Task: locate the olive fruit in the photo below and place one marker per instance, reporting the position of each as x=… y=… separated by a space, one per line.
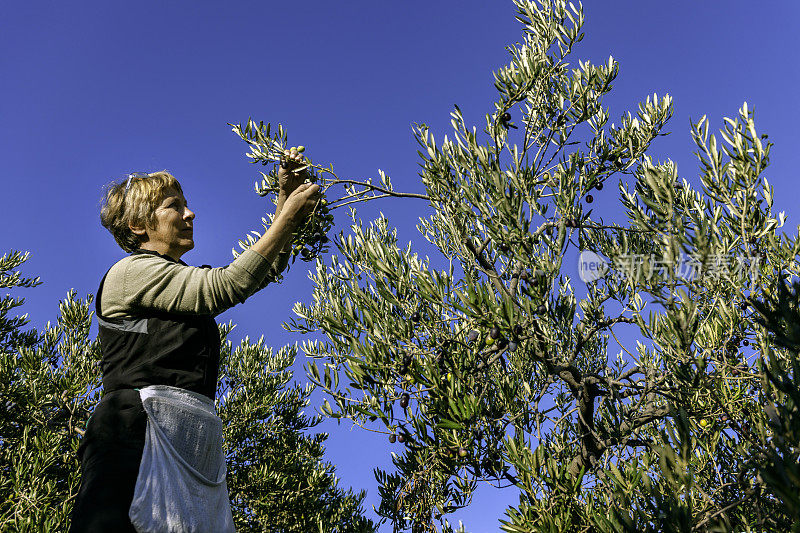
x=506 y=117
x=589 y=198
x=416 y=316
x=703 y=423
x=502 y=343
x=746 y=342
x=301 y=148
x=512 y=346
x=599 y=186
x=542 y=309
x=462 y=452
x=489 y=341
x=392 y=438
x=494 y=332
x=472 y=336
x=517 y=330
x=404 y=400
x=401 y=438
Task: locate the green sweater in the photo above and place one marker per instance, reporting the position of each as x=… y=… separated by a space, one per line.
x=144 y=282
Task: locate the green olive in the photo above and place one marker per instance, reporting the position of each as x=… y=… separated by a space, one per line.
x=301 y=148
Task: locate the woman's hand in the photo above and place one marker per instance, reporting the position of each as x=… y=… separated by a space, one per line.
x=301 y=202
x=288 y=179
x=292 y=211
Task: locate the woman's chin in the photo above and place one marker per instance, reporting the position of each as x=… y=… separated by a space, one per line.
x=187 y=244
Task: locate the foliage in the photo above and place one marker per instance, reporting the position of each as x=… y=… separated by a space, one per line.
x=50 y=383
x=46 y=394
x=277 y=478
x=656 y=400
x=310 y=240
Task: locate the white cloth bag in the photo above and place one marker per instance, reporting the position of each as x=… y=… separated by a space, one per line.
x=181 y=484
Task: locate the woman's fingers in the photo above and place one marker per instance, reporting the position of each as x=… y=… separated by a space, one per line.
x=292 y=156
x=312 y=189
x=293 y=153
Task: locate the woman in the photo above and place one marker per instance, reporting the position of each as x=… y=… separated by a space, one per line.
x=156 y=326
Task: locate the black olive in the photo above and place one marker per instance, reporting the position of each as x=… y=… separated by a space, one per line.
x=506 y=117
x=401 y=438
x=599 y=186
x=589 y=198
x=416 y=316
x=404 y=400
x=494 y=332
x=502 y=343
x=517 y=330
x=392 y=438
x=472 y=336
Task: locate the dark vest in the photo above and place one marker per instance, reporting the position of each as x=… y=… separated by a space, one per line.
x=156 y=348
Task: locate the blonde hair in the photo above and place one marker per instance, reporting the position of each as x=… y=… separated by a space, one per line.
x=137 y=208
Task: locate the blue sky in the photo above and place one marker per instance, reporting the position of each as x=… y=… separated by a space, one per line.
x=93 y=90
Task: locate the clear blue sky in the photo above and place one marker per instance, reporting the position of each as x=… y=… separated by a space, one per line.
x=93 y=90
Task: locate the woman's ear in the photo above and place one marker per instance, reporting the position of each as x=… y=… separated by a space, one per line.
x=139 y=231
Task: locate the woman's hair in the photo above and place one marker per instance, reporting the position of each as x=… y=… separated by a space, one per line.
x=137 y=207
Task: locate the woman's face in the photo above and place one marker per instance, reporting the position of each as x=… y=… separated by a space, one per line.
x=173 y=232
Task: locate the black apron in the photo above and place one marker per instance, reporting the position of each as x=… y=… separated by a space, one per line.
x=151 y=349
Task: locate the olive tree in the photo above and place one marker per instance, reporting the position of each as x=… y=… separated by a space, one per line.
x=50 y=383
x=650 y=397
